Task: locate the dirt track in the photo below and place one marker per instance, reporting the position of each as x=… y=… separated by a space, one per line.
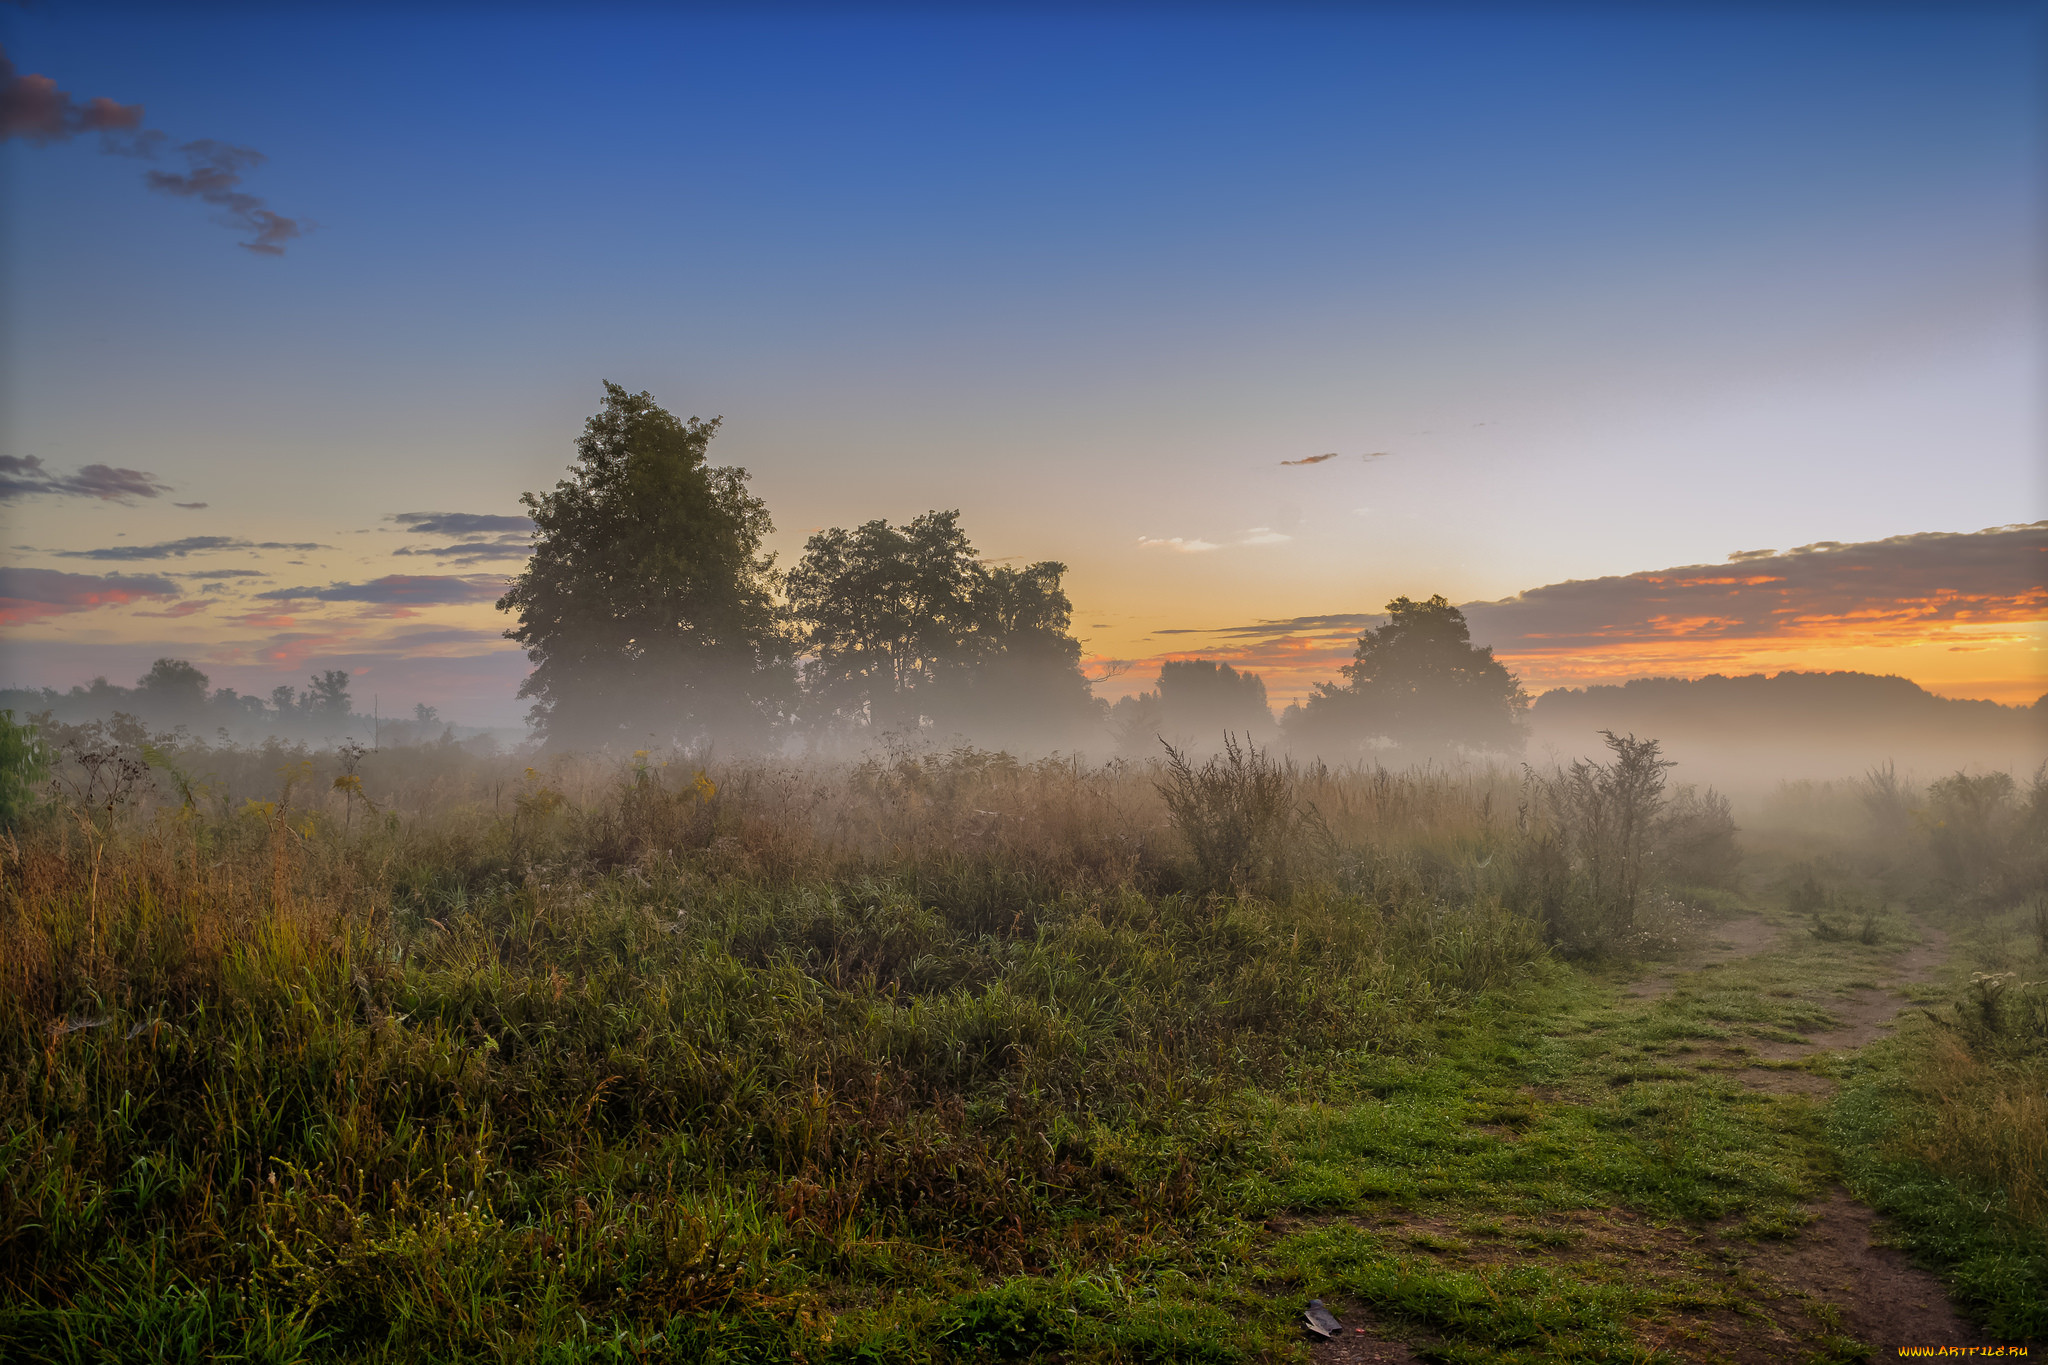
x=1832 y=1276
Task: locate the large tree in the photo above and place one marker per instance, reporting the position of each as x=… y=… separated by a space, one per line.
x=906 y=629
x=1419 y=683
x=648 y=605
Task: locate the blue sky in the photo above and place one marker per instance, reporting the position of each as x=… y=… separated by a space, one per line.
x=1612 y=289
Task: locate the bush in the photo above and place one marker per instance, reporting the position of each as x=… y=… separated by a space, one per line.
x=1695 y=840
x=1236 y=812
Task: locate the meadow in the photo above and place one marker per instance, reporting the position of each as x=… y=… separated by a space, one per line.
x=437 y=1054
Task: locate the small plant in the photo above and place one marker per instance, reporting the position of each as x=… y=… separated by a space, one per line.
x=350 y=783
x=24 y=766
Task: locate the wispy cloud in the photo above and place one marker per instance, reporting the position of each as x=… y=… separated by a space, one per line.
x=34 y=110
x=178 y=549
x=212 y=172
x=474 y=551
x=1257 y=535
x=33 y=594
x=460 y=523
x=1333 y=455
x=26 y=476
x=487 y=537
x=189 y=506
x=401 y=590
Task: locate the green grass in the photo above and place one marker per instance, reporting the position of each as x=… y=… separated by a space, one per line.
x=667 y=1080
x=1916 y=1116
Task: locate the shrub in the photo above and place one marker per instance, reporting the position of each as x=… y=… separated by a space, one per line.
x=1236 y=812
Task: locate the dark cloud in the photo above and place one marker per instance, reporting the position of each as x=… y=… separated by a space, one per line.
x=1353 y=622
x=488 y=537
x=169 y=549
x=189 y=506
x=1899 y=585
x=475 y=551
x=1895 y=587
x=178 y=549
x=213 y=170
x=25 y=476
x=460 y=523
x=402 y=590
x=33 y=109
x=222 y=573
x=31 y=594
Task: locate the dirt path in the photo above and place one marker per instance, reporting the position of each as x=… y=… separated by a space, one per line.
x=1832 y=1278
x=1737 y=938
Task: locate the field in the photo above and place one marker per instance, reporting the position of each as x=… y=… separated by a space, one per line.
x=428 y=1054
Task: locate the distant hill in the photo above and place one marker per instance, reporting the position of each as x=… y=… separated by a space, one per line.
x=1762 y=727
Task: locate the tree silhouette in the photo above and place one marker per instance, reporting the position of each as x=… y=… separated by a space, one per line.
x=1417 y=682
x=907 y=629
x=647 y=607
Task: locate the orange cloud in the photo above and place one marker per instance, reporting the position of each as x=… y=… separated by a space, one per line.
x=33 y=594
x=1962 y=613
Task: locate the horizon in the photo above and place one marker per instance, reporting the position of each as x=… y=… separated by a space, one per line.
x=1254 y=320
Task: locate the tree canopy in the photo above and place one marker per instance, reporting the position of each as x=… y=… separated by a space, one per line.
x=648 y=605
x=906 y=628
x=1193 y=705
x=1420 y=683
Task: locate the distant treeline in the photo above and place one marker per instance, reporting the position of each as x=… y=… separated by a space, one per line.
x=1812 y=723
x=1839 y=705
x=175 y=694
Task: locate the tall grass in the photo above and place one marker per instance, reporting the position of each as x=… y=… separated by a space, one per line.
x=468 y=1059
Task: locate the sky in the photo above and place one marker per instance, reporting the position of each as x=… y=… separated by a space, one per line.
x=1581 y=300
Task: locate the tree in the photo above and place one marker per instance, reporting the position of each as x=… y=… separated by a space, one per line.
x=1420 y=683
x=1024 y=686
x=1194 y=703
x=906 y=628
x=888 y=612
x=172 y=689
x=647 y=607
x=327 y=700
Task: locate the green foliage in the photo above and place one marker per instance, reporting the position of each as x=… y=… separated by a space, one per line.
x=647 y=607
x=905 y=627
x=24 y=767
x=1237 y=812
x=1419 y=682
x=1594 y=858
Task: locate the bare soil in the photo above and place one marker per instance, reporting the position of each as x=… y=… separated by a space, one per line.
x=1867 y=1015
x=1725 y=942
